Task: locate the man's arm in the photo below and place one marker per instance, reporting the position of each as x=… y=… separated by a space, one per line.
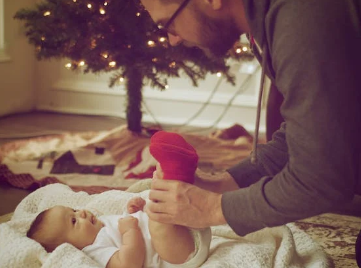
x=318 y=75
x=132 y=252
x=217 y=183
x=184 y=204
x=272 y=157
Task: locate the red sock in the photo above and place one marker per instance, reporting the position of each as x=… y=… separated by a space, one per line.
x=177 y=157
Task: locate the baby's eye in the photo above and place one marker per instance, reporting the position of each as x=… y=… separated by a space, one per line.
x=73 y=220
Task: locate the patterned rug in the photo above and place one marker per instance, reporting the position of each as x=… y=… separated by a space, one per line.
x=337 y=234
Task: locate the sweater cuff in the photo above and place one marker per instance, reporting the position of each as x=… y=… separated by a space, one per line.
x=245 y=173
x=242 y=209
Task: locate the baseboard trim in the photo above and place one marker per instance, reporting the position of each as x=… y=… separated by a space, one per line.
x=168 y=120
x=181 y=94
x=4 y=57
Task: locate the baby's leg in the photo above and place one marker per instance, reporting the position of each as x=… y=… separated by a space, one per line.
x=173 y=243
x=178 y=161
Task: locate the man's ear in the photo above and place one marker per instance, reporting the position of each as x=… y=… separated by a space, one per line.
x=215 y=4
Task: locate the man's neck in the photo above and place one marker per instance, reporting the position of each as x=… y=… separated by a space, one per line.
x=239 y=15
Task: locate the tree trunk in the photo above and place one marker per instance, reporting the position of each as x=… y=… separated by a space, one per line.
x=134 y=100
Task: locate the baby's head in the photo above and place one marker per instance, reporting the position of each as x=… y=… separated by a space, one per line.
x=59 y=225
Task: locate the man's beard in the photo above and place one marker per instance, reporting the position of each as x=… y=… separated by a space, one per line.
x=217 y=36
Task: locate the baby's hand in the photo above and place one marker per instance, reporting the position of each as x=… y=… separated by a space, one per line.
x=135 y=204
x=127 y=223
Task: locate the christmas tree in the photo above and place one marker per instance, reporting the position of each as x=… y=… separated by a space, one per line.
x=115 y=36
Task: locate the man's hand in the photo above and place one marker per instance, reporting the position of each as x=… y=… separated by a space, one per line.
x=218 y=183
x=135 y=204
x=176 y=202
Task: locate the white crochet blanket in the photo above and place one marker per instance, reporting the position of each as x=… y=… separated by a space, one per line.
x=284 y=246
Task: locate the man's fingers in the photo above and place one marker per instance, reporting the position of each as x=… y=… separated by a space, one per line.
x=155 y=213
x=165 y=185
x=161 y=217
x=158 y=207
x=160 y=195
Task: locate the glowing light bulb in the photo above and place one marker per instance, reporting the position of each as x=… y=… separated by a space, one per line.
x=138 y=14
x=166 y=86
x=74 y=1
x=102 y=11
x=244 y=48
x=43 y=38
x=121 y=79
x=82 y=63
x=47 y=13
x=151 y=43
x=68 y=65
x=162 y=39
x=112 y=64
x=105 y=55
x=89 y=6
x=105 y=3
x=238 y=50
x=219 y=74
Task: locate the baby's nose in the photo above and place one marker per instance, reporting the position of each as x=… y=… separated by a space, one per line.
x=82 y=214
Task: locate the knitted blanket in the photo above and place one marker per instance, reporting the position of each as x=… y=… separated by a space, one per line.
x=284 y=246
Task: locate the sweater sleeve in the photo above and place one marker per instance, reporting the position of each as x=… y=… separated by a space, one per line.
x=315 y=48
x=271 y=158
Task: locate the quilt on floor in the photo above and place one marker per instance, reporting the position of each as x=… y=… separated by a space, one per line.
x=99 y=161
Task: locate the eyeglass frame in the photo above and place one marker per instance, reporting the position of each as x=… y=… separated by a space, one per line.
x=164 y=28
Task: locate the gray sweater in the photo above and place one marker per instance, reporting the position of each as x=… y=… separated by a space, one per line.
x=313 y=162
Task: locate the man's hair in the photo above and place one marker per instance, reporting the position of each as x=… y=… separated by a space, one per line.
x=38 y=232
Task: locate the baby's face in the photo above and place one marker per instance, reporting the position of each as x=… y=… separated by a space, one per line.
x=77 y=227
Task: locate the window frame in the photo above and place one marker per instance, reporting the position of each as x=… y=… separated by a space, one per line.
x=4 y=57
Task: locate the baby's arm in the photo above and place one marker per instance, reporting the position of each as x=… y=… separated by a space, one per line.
x=132 y=252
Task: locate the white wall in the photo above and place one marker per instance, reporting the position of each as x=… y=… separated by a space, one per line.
x=26 y=84
x=17 y=62
x=66 y=91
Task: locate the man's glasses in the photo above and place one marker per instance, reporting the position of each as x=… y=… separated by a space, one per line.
x=163 y=29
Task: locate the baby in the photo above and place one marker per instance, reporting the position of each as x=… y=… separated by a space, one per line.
x=120 y=241
x=131 y=240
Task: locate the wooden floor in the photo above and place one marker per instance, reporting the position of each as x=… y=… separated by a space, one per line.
x=34 y=124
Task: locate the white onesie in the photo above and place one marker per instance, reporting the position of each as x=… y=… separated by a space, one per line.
x=109 y=240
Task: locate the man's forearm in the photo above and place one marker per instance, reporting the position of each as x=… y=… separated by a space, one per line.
x=219 y=183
